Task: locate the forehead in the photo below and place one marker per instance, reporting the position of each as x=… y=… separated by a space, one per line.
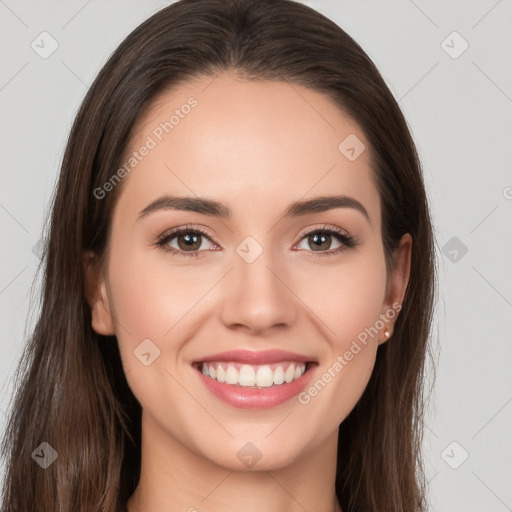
x=249 y=144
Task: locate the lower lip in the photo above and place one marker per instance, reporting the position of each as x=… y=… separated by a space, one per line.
x=256 y=398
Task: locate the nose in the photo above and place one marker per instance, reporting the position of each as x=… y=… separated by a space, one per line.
x=257 y=296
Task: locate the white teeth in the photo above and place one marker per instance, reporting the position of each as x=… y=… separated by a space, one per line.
x=246 y=376
x=279 y=375
x=264 y=377
x=288 y=374
x=231 y=375
x=221 y=374
x=249 y=376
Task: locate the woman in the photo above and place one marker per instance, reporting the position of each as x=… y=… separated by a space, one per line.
x=239 y=280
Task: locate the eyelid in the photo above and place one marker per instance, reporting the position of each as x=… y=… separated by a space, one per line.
x=347 y=240
x=206 y=232
x=323 y=227
x=189 y=227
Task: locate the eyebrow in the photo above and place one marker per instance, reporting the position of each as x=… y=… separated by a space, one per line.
x=217 y=209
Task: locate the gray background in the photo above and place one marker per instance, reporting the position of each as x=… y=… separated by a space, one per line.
x=459 y=108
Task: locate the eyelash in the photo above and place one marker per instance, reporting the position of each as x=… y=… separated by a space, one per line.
x=348 y=242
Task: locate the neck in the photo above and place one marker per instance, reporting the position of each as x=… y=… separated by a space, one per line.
x=175 y=478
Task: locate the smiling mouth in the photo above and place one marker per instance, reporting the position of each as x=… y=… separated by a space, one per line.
x=253 y=376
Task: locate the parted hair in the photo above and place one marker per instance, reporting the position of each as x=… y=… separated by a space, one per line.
x=70 y=388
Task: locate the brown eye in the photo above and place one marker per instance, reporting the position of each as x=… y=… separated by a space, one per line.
x=188 y=241
x=185 y=241
x=321 y=241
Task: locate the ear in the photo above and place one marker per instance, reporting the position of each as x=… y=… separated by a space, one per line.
x=397 y=285
x=96 y=294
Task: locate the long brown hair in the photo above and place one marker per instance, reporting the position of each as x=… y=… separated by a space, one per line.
x=71 y=391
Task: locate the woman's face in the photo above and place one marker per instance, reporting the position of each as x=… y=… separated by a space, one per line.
x=262 y=282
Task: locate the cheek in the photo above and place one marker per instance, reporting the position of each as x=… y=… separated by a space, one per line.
x=151 y=295
x=347 y=298
x=152 y=292
x=157 y=298
x=346 y=302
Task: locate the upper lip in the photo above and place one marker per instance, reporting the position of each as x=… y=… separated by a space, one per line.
x=256 y=357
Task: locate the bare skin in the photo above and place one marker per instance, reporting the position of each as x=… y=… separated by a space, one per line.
x=257 y=147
